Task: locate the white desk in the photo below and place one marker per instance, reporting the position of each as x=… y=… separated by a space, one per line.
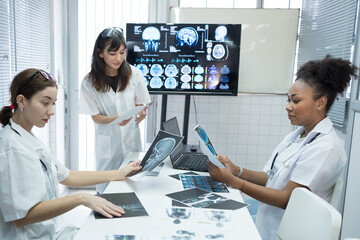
x=151 y=191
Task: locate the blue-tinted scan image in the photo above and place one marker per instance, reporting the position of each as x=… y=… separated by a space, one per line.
x=170 y=83
x=220 y=33
x=151 y=38
x=156 y=70
x=156 y=82
x=171 y=70
x=143 y=68
x=187 y=36
x=186 y=58
x=203 y=182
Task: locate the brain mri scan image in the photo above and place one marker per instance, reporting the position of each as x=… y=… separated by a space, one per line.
x=143 y=68
x=171 y=70
x=186 y=69
x=220 y=33
x=198 y=78
x=185 y=78
x=185 y=85
x=224 y=79
x=159 y=152
x=170 y=83
x=156 y=70
x=199 y=70
x=151 y=38
x=187 y=36
x=218 y=51
x=224 y=70
x=156 y=82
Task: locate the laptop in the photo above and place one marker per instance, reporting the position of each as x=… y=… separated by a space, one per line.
x=180 y=159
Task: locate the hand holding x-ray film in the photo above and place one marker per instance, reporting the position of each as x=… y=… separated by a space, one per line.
x=206 y=146
x=131 y=113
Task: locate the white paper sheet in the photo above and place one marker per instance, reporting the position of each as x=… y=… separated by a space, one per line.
x=128 y=115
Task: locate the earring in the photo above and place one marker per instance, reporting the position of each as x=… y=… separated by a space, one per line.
x=318 y=108
x=21 y=109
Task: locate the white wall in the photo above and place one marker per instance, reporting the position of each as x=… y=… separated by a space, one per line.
x=246 y=127
x=351 y=212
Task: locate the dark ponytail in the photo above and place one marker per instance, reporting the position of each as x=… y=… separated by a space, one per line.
x=328 y=77
x=5 y=115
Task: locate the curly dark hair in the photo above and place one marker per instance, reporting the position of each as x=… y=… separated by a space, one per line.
x=328 y=77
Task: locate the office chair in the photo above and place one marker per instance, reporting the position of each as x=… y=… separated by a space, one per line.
x=309 y=217
x=335 y=199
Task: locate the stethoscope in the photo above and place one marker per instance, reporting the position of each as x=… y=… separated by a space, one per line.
x=270 y=173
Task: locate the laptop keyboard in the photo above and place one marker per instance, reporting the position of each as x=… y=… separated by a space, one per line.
x=196 y=162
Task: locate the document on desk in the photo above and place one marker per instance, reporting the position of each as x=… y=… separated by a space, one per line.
x=163 y=144
x=199 y=223
x=198 y=198
x=203 y=182
x=188 y=223
x=128 y=201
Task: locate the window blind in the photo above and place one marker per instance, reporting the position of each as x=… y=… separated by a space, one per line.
x=31 y=28
x=4 y=54
x=24 y=40
x=327 y=27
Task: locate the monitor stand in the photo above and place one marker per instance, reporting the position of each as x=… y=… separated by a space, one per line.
x=188 y=147
x=192 y=148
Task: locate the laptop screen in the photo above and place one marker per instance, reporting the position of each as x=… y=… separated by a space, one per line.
x=172 y=126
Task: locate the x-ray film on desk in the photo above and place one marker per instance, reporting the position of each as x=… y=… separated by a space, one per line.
x=163 y=144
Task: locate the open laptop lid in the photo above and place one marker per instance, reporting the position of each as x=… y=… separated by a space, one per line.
x=172 y=126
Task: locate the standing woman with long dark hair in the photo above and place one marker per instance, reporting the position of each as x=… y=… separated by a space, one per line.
x=110 y=89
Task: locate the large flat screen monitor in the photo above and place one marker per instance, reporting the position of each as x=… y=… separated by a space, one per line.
x=186 y=58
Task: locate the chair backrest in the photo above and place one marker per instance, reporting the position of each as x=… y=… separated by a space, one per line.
x=335 y=199
x=308 y=216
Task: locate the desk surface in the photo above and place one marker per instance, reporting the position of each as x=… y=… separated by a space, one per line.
x=151 y=191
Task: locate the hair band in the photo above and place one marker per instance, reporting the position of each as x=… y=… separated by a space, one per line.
x=12 y=107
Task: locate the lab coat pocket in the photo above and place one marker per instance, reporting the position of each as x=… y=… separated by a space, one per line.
x=103 y=147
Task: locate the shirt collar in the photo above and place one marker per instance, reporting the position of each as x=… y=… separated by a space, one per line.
x=324 y=126
x=27 y=137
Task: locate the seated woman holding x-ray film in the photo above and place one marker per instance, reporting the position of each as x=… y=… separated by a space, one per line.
x=311 y=157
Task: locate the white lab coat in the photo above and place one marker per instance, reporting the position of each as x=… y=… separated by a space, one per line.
x=25 y=181
x=316 y=165
x=113 y=142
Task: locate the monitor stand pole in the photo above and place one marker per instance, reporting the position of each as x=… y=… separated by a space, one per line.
x=163 y=108
x=186 y=118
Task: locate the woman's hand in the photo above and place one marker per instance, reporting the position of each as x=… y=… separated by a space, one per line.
x=220 y=174
x=123 y=123
x=129 y=169
x=101 y=205
x=228 y=164
x=141 y=115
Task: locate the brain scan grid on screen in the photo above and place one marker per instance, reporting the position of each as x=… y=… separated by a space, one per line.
x=186 y=58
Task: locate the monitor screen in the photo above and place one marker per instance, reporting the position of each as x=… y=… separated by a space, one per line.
x=186 y=58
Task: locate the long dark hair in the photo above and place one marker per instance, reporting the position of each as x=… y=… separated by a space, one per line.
x=328 y=77
x=99 y=79
x=17 y=87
